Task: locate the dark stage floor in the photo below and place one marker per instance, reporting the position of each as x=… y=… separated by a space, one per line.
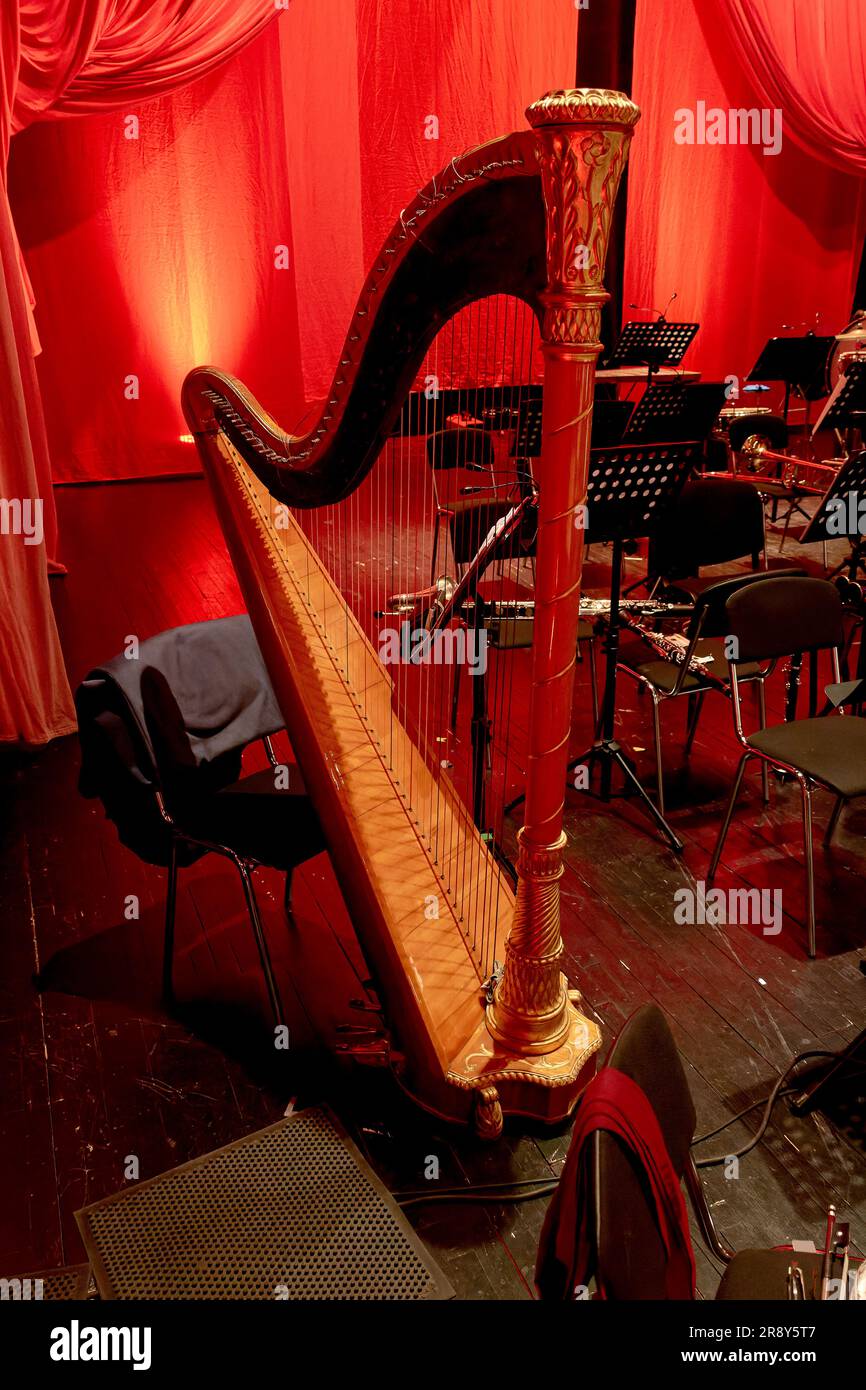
x=94 y=1072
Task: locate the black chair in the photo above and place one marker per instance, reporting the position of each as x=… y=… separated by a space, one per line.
x=784 y=617
x=162 y=742
x=667 y=679
x=713 y=522
x=769 y=427
x=470 y=518
x=630 y=1255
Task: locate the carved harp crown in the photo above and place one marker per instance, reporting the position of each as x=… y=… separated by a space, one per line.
x=528 y=217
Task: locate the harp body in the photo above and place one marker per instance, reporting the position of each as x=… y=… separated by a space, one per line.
x=527 y=216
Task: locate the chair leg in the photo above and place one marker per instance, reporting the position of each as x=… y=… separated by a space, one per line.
x=258 y=932
x=660 y=775
x=701 y=1208
x=695 y=717
x=725 y=826
x=170 y=912
x=834 y=820
x=592 y=686
x=765 y=769
x=806 y=789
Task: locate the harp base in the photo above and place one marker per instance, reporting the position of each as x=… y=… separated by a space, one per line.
x=544 y=1088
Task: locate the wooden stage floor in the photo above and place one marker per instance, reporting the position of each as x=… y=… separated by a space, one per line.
x=93 y=1072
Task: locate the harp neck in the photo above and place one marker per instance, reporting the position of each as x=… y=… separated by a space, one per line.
x=455 y=242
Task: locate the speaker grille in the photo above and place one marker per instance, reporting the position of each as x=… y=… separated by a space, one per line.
x=292 y=1211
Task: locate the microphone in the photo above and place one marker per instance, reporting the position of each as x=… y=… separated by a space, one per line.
x=663 y=314
x=645 y=308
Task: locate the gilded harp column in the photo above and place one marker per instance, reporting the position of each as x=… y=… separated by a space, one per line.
x=583 y=139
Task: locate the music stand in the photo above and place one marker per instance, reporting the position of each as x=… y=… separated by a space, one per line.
x=527 y=436
x=797 y=362
x=630 y=489
x=670 y=411
x=835 y=505
x=652 y=345
x=847 y=400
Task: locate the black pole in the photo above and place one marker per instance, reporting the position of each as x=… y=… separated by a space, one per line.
x=860 y=287
x=605 y=58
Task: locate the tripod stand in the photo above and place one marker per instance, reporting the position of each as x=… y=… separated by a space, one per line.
x=629 y=490
x=605 y=750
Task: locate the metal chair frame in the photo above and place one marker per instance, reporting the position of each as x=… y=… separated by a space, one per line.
x=696 y=695
x=806 y=783
x=245 y=866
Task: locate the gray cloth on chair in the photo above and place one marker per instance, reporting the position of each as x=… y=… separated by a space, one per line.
x=216 y=673
x=219 y=680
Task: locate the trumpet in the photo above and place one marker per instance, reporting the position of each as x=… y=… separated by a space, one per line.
x=803 y=474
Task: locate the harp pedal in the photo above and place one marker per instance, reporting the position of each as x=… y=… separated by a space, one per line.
x=365 y=1043
x=367 y=1006
x=488 y=989
x=372 y=1052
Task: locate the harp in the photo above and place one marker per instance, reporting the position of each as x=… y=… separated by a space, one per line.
x=319 y=524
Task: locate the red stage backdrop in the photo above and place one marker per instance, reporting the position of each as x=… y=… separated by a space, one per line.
x=234 y=222
x=749 y=241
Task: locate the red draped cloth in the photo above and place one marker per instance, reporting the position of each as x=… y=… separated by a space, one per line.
x=566 y=1254
x=69 y=59
x=750 y=241
x=808 y=57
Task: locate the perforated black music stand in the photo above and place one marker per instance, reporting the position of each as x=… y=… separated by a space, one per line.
x=840 y=507
x=846 y=405
x=527 y=436
x=652 y=345
x=670 y=411
x=630 y=489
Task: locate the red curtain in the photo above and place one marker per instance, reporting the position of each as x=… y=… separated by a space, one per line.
x=750 y=241
x=809 y=58
x=67 y=59
x=234 y=220
x=240 y=225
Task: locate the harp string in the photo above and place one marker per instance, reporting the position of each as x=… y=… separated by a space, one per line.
x=379 y=541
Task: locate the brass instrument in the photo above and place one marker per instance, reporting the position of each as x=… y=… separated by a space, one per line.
x=806 y=475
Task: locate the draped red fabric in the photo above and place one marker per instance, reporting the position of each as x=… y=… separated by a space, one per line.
x=809 y=58
x=749 y=241
x=566 y=1251
x=239 y=225
x=68 y=59
x=234 y=219
x=89 y=56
